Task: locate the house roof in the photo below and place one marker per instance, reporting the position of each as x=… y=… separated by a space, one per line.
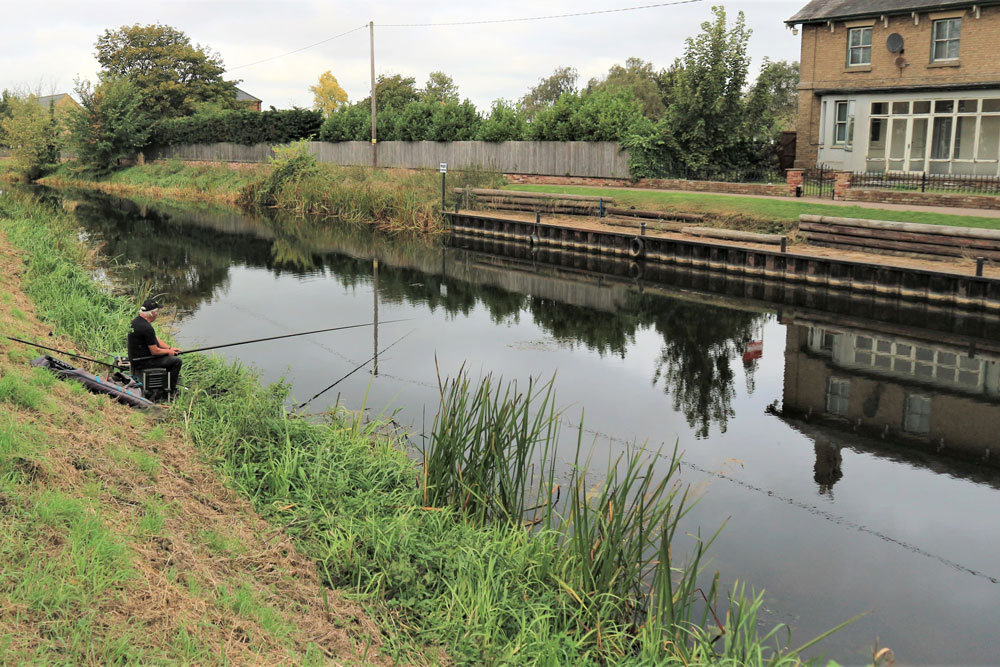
x=826 y=10
x=242 y=96
x=52 y=100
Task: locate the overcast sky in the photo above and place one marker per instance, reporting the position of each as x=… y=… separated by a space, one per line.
x=45 y=45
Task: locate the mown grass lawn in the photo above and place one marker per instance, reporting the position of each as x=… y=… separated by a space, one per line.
x=765 y=209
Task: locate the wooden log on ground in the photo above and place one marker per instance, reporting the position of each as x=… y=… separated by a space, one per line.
x=913 y=237
x=915 y=227
x=733 y=235
x=654 y=215
x=874 y=245
x=549 y=209
x=543 y=203
x=539 y=195
x=656 y=226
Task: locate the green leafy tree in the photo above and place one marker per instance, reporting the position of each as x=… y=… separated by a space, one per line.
x=454 y=121
x=549 y=91
x=557 y=122
x=33 y=135
x=175 y=76
x=5 y=112
x=505 y=123
x=607 y=115
x=351 y=123
x=392 y=92
x=328 y=96
x=439 y=88
x=639 y=77
x=706 y=116
x=110 y=124
x=774 y=98
x=415 y=121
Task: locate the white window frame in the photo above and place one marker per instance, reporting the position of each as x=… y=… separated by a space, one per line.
x=973 y=164
x=945 y=23
x=847 y=123
x=917 y=414
x=838 y=396
x=860 y=48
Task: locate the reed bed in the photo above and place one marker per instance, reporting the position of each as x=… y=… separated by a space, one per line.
x=400 y=199
x=480 y=553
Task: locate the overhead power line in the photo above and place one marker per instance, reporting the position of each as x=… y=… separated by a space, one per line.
x=540 y=18
x=324 y=41
x=484 y=22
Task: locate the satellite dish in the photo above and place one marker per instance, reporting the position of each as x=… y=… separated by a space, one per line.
x=894 y=43
x=901 y=62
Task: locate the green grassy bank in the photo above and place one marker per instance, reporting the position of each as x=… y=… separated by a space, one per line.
x=293 y=181
x=440 y=554
x=753 y=212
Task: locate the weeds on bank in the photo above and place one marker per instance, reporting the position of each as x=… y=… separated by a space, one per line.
x=396 y=198
x=483 y=549
x=83 y=534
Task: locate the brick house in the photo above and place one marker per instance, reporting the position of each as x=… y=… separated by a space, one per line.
x=247 y=101
x=900 y=85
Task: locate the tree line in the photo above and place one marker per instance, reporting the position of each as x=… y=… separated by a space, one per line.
x=157 y=88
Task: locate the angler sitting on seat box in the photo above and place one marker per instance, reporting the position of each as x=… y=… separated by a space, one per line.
x=142 y=342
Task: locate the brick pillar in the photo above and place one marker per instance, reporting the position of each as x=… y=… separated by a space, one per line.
x=841 y=183
x=793 y=178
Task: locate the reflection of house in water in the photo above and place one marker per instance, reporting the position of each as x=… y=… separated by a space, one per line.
x=909 y=386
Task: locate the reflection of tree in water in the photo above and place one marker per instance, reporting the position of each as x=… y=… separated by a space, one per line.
x=571 y=324
x=186 y=262
x=701 y=342
x=187 y=254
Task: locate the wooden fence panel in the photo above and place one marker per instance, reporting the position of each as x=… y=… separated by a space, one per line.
x=550 y=158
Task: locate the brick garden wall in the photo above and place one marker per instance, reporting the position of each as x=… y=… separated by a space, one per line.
x=921 y=198
x=777 y=189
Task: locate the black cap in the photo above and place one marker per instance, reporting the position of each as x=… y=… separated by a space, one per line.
x=150 y=304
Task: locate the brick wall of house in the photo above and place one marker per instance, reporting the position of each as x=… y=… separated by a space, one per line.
x=824 y=62
x=777 y=189
x=921 y=198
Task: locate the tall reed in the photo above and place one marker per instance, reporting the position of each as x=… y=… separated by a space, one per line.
x=491 y=456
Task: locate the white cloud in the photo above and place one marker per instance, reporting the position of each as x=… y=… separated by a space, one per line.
x=53 y=42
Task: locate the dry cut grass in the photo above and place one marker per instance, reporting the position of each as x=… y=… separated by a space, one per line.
x=118 y=542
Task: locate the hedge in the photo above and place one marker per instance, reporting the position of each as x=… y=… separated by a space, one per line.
x=238 y=127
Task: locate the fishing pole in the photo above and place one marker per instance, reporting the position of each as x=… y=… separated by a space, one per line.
x=370 y=359
x=68 y=354
x=258 y=340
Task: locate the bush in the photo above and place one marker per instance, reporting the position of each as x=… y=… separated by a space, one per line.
x=239 y=127
x=505 y=123
x=33 y=135
x=352 y=123
x=110 y=123
x=291 y=163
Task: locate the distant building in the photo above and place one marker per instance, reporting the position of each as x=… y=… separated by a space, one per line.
x=900 y=85
x=59 y=102
x=247 y=101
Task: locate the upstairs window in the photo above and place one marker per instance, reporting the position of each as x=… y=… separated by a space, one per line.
x=944 y=42
x=859 y=46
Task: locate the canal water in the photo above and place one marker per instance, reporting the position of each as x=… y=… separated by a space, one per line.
x=851 y=449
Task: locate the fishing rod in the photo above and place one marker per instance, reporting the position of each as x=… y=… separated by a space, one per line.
x=258 y=340
x=370 y=359
x=68 y=354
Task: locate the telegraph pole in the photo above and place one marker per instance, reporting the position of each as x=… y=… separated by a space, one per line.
x=371 y=41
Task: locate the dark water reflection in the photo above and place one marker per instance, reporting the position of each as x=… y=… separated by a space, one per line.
x=850 y=444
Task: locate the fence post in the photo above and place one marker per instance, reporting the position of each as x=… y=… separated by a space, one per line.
x=979 y=266
x=923 y=181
